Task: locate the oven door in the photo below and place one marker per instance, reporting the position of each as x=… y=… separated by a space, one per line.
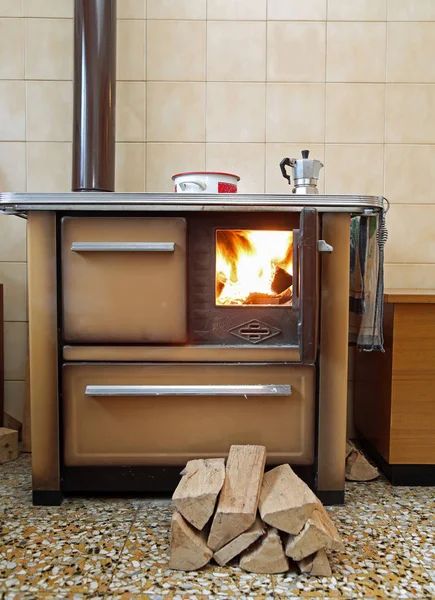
x=124 y=280
x=264 y=291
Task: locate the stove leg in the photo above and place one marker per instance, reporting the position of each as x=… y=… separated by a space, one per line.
x=47 y=498
x=334 y=326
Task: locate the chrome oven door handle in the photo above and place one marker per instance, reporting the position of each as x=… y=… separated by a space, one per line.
x=123 y=247
x=188 y=390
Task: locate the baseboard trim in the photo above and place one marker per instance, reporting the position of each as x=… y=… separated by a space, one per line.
x=401 y=475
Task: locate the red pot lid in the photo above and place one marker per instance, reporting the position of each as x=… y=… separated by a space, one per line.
x=205 y=173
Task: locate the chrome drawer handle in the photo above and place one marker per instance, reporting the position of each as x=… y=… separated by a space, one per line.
x=123 y=246
x=188 y=390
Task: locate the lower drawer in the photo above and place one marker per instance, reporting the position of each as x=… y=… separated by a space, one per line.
x=166 y=414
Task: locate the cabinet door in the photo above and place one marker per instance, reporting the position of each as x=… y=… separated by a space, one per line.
x=165 y=414
x=124 y=280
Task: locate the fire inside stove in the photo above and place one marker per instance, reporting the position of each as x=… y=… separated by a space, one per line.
x=253 y=267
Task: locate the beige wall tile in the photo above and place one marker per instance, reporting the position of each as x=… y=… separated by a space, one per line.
x=11 y=8
x=275 y=182
x=249 y=10
x=50 y=8
x=357 y=10
x=411 y=10
x=245 y=160
x=410 y=52
x=49 y=111
x=15 y=345
x=176 y=9
x=236 y=51
x=12 y=110
x=356 y=52
x=14 y=279
x=410 y=114
x=354 y=169
x=130 y=47
x=49 y=166
x=11 y=49
x=131 y=9
x=14 y=399
x=130 y=167
x=12 y=239
x=355 y=113
x=165 y=160
x=130 y=111
x=411 y=236
x=12 y=167
x=407 y=172
x=419 y=277
x=49 y=48
x=175 y=112
x=176 y=50
x=235 y=112
x=295 y=112
x=286 y=10
x=296 y=51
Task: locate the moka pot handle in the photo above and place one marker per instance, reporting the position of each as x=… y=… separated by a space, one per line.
x=286 y=162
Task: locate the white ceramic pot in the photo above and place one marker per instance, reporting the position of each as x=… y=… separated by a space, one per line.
x=205 y=183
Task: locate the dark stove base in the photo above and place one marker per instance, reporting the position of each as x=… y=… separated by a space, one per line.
x=397 y=475
x=143 y=481
x=47 y=498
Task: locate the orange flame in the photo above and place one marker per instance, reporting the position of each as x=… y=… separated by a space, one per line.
x=253 y=267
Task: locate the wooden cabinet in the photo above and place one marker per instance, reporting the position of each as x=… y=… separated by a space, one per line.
x=394 y=395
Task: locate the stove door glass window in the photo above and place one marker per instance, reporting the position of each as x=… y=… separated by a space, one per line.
x=254 y=267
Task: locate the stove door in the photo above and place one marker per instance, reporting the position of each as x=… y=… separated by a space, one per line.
x=265 y=288
x=307 y=283
x=124 y=280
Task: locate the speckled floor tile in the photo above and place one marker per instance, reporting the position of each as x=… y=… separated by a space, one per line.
x=118 y=549
x=46 y=555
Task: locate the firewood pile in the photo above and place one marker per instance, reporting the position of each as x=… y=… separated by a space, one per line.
x=266 y=520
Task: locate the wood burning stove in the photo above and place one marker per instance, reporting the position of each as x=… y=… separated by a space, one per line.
x=137 y=363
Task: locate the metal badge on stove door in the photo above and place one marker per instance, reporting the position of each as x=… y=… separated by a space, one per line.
x=255 y=331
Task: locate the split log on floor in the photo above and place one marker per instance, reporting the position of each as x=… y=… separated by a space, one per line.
x=317 y=564
x=237 y=506
x=189 y=550
x=265 y=556
x=8 y=445
x=318 y=533
x=358 y=467
x=240 y=543
x=286 y=502
x=196 y=494
x=349 y=448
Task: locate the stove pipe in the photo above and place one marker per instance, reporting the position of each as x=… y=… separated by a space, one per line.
x=94 y=95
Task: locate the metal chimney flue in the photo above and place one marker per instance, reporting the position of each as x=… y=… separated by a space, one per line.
x=94 y=95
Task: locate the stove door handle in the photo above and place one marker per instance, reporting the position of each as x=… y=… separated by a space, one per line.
x=188 y=390
x=123 y=247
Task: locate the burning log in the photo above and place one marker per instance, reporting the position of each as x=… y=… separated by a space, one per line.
x=284 y=501
x=281 y=281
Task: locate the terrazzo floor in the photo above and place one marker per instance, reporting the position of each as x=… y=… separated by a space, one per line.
x=118 y=549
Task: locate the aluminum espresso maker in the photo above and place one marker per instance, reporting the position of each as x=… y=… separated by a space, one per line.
x=305 y=173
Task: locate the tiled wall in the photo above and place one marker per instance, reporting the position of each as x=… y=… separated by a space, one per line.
x=230 y=85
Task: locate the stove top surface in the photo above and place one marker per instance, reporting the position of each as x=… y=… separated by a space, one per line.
x=16 y=203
